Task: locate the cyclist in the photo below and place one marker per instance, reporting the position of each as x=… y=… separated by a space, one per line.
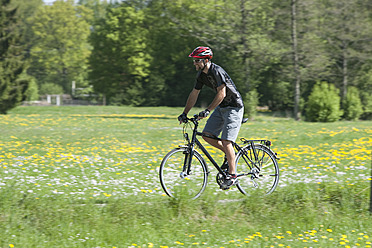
x=227 y=105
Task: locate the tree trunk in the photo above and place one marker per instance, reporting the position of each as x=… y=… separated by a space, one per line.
x=344 y=74
x=297 y=112
x=244 y=27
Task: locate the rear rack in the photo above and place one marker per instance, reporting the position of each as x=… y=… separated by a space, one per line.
x=263 y=142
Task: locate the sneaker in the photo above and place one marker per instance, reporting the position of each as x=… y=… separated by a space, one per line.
x=230 y=180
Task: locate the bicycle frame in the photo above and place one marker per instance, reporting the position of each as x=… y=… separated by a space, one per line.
x=256 y=165
x=194 y=140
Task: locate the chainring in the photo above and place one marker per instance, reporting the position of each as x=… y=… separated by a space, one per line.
x=220 y=178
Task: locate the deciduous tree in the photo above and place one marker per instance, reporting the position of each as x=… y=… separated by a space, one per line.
x=60 y=48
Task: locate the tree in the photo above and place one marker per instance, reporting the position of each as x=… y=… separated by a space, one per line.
x=97 y=6
x=295 y=60
x=172 y=72
x=12 y=90
x=121 y=57
x=239 y=34
x=60 y=48
x=346 y=28
x=251 y=40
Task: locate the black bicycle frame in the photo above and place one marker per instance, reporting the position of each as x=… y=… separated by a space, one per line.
x=194 y=140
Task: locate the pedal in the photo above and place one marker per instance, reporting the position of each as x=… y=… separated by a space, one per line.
x=183 y=174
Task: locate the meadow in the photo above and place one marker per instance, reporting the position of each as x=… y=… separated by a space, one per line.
x=88 y=177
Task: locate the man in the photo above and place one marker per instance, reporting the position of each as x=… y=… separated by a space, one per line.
x=227 y=105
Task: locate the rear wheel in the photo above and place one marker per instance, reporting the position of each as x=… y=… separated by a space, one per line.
x=181 y=184
x=257 y=170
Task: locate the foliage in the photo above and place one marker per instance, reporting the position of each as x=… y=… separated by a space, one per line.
x=323 y=104
x=364 y=82
x=120 y=59
x=346 y=32
x=11 y=64
x=251 y=100
x=60 y=47
x=25 y=11
x=50 y=89
x=352 y=106
x=138 y=49
x=32 y=92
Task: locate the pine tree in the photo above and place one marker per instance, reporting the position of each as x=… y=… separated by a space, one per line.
x=11 y=65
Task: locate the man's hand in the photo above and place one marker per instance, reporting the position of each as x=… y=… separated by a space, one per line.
x=182 y=118
x=204 y=113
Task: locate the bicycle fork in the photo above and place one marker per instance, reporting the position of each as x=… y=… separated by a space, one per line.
x=189 y=153
x=186 y=169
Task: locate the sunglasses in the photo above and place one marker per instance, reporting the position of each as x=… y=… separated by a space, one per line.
x=198 y=60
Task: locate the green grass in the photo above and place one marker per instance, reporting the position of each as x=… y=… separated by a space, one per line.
x=87 y=177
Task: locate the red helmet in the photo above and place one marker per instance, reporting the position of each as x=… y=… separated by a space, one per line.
x=202 y=53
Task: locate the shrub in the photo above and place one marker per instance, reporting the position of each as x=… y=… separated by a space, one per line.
x=323 y=104
x=32 y=92
x=363 y=82
x=352 y=105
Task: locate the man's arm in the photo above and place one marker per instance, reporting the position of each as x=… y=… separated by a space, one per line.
x=220 y=95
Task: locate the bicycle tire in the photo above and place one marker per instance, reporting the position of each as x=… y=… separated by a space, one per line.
x=263 y=179
x=191 y=186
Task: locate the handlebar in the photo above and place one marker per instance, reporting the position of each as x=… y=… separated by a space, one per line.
x=195 y=119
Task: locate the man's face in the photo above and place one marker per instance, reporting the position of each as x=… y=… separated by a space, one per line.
x=199 y=64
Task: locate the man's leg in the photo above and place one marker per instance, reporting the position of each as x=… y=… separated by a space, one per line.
x=230 y=155
x=227 y=147
x=215 y=143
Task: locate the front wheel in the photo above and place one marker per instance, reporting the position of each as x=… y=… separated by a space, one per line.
x=179 y=182
x=257 y=169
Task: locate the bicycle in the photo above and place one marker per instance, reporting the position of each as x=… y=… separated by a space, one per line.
x=184 y=173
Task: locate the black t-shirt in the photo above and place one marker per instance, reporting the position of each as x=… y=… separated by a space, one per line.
x=216 y=77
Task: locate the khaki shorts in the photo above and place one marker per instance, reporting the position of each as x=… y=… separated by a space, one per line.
x=228 y=120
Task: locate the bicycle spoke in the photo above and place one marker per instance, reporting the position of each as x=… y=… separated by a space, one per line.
x=178 y=183
x=260 y=172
